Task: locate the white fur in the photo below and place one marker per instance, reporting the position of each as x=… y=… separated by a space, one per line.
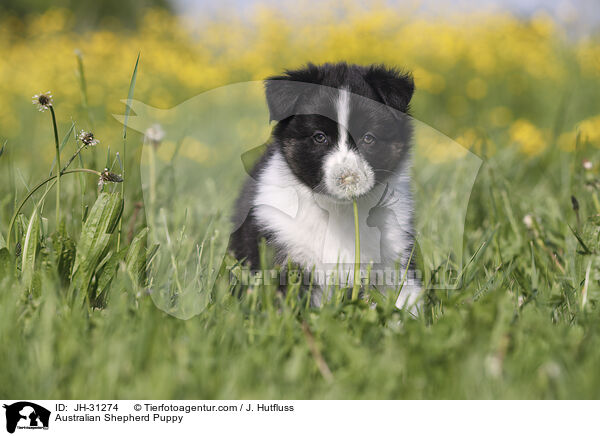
x=343 y=117
x=317 y=230
x=347 y=174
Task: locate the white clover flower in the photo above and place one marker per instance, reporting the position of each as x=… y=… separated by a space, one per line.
x=43 y=101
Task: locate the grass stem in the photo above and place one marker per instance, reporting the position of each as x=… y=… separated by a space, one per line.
x=34 y=190
x=127 y=109
x=151 y=215
x=58 y=171
x=356 y=281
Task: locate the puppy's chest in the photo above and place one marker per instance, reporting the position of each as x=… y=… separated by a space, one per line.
x=316 y=233
x=334 y=241
x=310 y=229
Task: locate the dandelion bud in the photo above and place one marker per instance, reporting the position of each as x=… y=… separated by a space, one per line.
x=111 y=177
x=574 y=203
x=106 y=177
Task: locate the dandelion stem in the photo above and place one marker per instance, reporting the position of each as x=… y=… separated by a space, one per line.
x=35 y=189
x=356 y=281
x=58 y=171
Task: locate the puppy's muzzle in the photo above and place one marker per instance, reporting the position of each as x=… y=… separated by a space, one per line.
x=347 y=175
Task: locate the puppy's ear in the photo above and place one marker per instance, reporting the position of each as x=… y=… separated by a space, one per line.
x=282 y=95
x=395 y=88
x=284 y=91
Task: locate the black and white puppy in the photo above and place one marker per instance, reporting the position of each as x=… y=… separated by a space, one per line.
x=342 y=133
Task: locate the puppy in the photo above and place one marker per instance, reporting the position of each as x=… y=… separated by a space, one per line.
x=343 y=133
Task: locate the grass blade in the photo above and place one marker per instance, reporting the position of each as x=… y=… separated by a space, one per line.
x=136 y=257
x=127 y=110
x=94 y=241
x=585 y=247
x=105 y=274
x=83 y=87
x=64 y=251
x=130 y=96
x=30 y=246
x=5 y=263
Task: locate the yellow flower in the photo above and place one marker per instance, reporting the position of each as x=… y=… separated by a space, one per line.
x=590 y=130
x=456 y=64
x=529 y=138
x=476 y=88
x=430 y=82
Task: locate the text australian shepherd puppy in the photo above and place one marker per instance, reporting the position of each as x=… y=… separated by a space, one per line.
x=342 y=133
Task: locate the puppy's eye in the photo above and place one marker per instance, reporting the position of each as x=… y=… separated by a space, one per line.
x=320 y=138
x=368 y=138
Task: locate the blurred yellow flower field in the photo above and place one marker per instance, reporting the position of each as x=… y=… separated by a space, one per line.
x=476 y=75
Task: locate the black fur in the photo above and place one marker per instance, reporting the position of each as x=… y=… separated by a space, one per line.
x=244 y=241
x=301 y=110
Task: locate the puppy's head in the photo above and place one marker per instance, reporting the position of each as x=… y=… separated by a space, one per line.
x=341 y=128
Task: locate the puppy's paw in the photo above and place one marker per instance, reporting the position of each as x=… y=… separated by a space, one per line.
x=410 y=299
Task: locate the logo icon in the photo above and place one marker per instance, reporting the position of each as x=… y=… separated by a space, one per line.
x=26 y=415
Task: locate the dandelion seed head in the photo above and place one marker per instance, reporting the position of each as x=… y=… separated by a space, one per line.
x=586 y=164
x=528 y=221
x=154 y=134
x=43 y=101
x=347 y=175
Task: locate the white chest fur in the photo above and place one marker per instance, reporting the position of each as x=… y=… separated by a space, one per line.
x=315 y=230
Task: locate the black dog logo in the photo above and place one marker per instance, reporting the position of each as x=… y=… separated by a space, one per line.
x=28 y=415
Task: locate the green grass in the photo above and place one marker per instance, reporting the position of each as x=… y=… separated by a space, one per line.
x=78 y=318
